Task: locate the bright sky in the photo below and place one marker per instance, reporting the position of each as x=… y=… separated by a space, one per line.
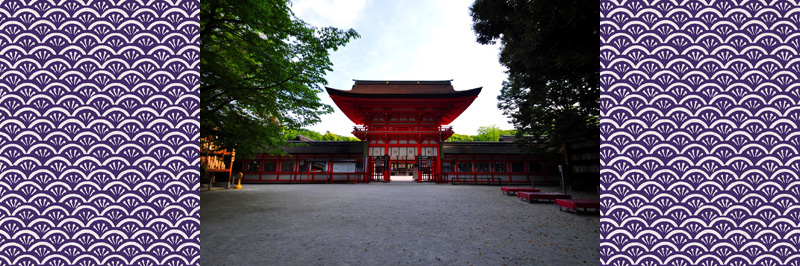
x=409 y=40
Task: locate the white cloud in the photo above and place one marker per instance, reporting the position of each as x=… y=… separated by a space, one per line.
x=323 y=13
x=454 y=53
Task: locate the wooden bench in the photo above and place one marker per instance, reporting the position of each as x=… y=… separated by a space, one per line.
x=474 y=179
x=576 y=204
x=536 y=196
x=513 y=190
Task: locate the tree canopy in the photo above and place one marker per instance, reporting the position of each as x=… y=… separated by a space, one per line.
x=551 y=50
x=485 y=133
x=261 y=69
x=492 y=133
x=459 y=137
x=328 y=136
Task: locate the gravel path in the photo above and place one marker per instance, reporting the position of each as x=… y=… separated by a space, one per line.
x=399 y=223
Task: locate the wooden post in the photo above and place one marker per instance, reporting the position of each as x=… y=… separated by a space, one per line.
x=563 y=186
x=387 y=168
x=439 y=159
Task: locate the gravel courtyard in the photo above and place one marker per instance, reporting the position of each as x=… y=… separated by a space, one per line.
x=397 y=223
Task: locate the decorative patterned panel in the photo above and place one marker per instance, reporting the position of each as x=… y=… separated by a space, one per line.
x=700 y=114
x=99 y=133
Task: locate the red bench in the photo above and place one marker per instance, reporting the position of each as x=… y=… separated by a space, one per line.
x=536 y=196
x=513 y=190
x=576 y=204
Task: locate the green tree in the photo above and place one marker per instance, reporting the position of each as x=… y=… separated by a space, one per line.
x=492 y=133
x=261 y=69
x=459 y=137
x=290 y=134
x=551 y=50
x=328 y=136
x=485 y=133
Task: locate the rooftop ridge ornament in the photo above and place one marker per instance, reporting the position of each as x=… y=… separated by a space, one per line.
x=402 y=82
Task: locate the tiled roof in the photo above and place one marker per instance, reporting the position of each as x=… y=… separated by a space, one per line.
x=402 y=87
x=356 y=147
x=509 y=148
x=405 y=88
x=325 y=147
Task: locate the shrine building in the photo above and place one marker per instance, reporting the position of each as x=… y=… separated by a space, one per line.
x=402 y=127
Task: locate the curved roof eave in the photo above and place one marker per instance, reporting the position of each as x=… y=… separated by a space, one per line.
x=471 y=92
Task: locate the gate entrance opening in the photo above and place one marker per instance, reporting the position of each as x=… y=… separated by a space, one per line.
x=382 y=168
x=403 y=168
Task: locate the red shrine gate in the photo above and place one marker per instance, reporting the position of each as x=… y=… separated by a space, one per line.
x=403 y=123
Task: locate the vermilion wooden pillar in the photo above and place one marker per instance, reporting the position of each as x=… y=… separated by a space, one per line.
x=419 y=153
x=437 y=166
x=387 y=164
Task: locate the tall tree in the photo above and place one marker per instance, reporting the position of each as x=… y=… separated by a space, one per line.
x=551 y=50
x=261 y=69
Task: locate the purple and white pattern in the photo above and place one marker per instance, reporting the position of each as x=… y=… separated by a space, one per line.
x=700 y=114
x=99 y=133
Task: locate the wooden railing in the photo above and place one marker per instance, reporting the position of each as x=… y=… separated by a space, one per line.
x=402 y=129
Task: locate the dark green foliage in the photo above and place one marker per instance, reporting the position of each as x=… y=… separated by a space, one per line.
x=261 y=69
x=551 y=49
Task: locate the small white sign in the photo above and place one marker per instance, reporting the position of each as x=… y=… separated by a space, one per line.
x=344 y=167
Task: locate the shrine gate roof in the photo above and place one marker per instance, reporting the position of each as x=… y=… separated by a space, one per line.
x=403 y=89
x=369 y=95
